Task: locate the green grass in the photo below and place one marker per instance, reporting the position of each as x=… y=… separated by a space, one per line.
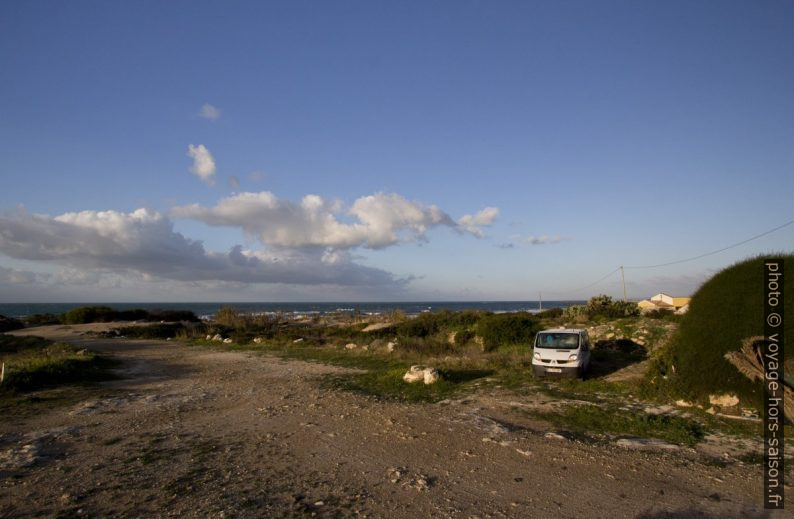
x=33 y=363
x=590 y=419
x=389 y=384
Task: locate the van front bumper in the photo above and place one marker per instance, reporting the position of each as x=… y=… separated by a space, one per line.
x=556 y=371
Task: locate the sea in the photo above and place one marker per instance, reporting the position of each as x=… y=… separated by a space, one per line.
x=208 y=309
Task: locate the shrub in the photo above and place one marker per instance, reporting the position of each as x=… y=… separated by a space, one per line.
x=551 y=313
x=603 y=305
x=510 y=328
x=431 y=323
x=727 y=309
x=7 y=324
x=43 y=319
x=464 y=337
x=89 y=314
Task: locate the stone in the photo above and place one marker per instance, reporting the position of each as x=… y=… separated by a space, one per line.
x=299 y=339
x=258 y=340
x=414 y=374
x=209 y=337
x=431 y=376
x=725 y=400
x=683 y=403
x=227 y=341
x=390 y=346
x=217 y=337
x=645 y=444
x=351 y=346
x=554 y=436
x=428 y=375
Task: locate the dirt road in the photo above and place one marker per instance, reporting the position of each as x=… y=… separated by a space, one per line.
x=200 y=433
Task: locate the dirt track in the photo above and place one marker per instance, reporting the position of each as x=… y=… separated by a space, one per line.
x=201 y=433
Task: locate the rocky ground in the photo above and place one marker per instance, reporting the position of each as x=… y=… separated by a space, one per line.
x=196 y=432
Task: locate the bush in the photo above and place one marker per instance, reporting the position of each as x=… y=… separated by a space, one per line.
x=431 y=323
x=8 y=323
x=503 y=329
x=43 y=319
x=603 y=305
x=105 y=314
x=727 y=309
x=551 y=313
x=464 y=337
x=89 y=314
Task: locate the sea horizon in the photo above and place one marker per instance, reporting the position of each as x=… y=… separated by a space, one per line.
x=204 y=309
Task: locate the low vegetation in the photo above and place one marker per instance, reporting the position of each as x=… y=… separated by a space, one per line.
x=105 y=314
x=726 y=310
x=32 y=363
x=591 y=419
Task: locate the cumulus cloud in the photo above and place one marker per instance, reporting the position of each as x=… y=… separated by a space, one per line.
x=475 y=222
x=209 y=112
x=379 y=220
x=203 y=163
x=144 y=242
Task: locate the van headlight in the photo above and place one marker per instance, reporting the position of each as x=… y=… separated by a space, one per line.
x=537 y=355
x=572 y=357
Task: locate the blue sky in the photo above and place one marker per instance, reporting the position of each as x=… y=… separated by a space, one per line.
x=456 y=150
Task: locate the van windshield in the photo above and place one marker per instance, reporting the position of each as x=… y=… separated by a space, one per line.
x=557 y=341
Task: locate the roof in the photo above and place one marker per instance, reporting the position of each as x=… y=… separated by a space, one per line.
x=564 y=330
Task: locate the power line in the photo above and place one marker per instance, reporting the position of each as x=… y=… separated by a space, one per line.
x=712 y=252
x=674 y=262
x=586 y=286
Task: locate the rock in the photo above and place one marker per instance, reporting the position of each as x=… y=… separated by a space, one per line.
x=451 y=337
x=257 y=340
x=414 y=374
x=85 y=352
x=554 y=436
x=726 y=400
x=209 y=337
x=645 y=444
x=299 y=339
x=390 y=346
x=431 y=376
x=351 y=346
x=217 y=337
x=711 y=410
x=426 y=374
x=640 y=342
x=227 y=341
x=610 y=335
x=683 y=403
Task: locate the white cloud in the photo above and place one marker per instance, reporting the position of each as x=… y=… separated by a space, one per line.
x=203 y=163
x=474 y=223
x=543 y=240
x=209 y=112
x=379 y=220
x=144 y=242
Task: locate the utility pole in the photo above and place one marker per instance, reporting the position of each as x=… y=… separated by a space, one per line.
x=623 y=278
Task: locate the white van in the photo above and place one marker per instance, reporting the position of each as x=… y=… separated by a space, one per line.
x=561 y=351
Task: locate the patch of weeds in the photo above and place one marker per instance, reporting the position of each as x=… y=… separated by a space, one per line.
x=752 y=458
x=389 y=384
x=589 y=418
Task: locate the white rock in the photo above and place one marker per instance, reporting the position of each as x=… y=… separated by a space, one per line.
x=209 y=337
x=645 y=444
x=351 y=346
x=726 y=400
x=217 y=337
x=299 y=339
x=390 y=346
x=414 y=374
x=227 y=341
x=554 y=436
x=257 y=340
x=683 y=403
x=431 y=375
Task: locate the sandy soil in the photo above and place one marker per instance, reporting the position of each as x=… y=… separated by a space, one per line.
x=200 y=433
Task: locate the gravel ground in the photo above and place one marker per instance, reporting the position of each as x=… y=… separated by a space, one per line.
x=193 y=432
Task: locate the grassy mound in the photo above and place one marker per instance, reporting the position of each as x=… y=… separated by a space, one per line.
x=34 y=363
x=727 y=309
